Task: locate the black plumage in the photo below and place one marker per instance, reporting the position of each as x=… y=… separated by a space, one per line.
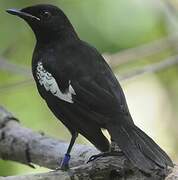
x=81 y=90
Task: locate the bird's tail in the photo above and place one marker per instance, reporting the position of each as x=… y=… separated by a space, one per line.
x=139 y=148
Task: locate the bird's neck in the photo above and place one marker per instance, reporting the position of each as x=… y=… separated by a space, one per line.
x=56 y=36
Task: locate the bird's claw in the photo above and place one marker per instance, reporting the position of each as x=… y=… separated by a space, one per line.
x=104 y=154
x=92 y=158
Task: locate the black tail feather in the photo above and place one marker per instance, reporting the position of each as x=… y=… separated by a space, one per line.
x=159 y=153
x=139 y=148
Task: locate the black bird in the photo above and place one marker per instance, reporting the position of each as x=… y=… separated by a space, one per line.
x=81 y=90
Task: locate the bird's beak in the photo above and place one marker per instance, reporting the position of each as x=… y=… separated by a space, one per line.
x=22 y=14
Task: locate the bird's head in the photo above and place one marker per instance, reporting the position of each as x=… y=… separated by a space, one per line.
x=47 y=21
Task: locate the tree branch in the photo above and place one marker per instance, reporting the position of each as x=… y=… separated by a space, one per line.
x=14 y=68
x=103 y=169
x=142 y=51
x=25 y=146
x=152 y=68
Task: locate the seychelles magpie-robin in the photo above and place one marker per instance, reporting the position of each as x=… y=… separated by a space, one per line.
x=81 y=90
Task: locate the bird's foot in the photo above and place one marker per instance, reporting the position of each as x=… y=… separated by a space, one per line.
x=65 y=163
x=104 y=154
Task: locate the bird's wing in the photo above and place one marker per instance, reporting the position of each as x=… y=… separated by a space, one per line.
x=89 y=81
x=100 y=93
x=92 y=96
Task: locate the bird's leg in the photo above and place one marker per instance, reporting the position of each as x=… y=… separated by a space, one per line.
x=114 y=151
x=66 y=159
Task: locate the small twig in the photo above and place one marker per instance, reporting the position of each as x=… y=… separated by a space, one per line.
x=153 y=68
x=141 y=51
x=11 y=86
x=15 y=68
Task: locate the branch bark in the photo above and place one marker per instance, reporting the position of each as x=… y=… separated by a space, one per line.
x=23 y=145
x=26 y=146
x=104 y=169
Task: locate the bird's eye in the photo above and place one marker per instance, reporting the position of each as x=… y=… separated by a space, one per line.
x=46 y=15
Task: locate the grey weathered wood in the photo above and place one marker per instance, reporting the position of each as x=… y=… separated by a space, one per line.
x=103 y=169
x=28 y=147
x=20 y=144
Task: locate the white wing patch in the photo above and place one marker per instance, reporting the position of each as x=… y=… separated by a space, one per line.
x=47 y=80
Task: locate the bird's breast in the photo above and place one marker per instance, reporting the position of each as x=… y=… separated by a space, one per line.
x=46 y=81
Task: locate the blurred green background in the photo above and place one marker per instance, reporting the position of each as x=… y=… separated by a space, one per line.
x=113 y=27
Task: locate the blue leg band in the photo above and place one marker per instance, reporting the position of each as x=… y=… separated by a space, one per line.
x=66 y=159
